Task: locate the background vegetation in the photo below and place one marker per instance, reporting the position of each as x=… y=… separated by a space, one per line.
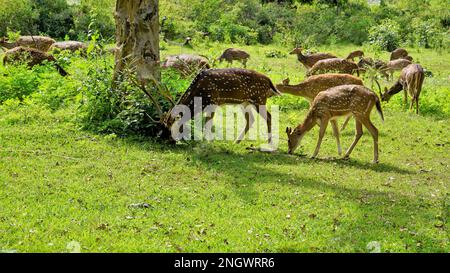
x=310 y=23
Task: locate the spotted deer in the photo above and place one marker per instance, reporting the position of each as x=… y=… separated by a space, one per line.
x=41 y=43
x=343 y=100
x=398 y=54
x=310 y=60
x=311 y=87
x=231 y=86
x=32 y=57
x=355 y=54
x=392 y=66
x=336 y=65
x=234 y=54
x=186 y=64
x=411 y=82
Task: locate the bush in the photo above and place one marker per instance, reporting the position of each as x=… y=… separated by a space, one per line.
x=17 y=15
x=386 y=35
x=17 y=82
x=55 y=17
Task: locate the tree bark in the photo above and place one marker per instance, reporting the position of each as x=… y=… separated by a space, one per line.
x=137 y=39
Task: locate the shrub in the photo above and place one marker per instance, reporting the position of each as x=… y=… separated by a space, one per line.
x=385 y=35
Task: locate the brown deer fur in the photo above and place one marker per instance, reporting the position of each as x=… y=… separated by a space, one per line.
x=355 y=54
x=186 y=64
x=231 y=86
x=316 y=84
x=339 y=101
x=68 y=45
x=311 y=59
x=398 y=53
x=411 y=82
x=32 y=57
x=41 y=43
x=334 y=65
x=392 y=66
x=234 y=54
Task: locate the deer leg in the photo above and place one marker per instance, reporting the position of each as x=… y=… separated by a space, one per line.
x=358 y=135
x=323 y=128
x=336 y=135
x=405 y=97
x=268 y=117
x=374 y=132
x=417 y=104
x=249 y=119
x=345 y=123
x=244 y=62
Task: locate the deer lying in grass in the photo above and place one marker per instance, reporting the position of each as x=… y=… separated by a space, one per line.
x=411 y=82
x=234 y=54
x=72 y=46
x=339 y=101
x=186 y=64
x=310 y=60
x=41 y=43
x=231 y=86
x=398 y=54
x=32 y=57
x=334 y=65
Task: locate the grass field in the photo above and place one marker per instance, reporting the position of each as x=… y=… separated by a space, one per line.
x=63 y=189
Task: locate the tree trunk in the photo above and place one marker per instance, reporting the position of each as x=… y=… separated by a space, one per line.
x=137 y=36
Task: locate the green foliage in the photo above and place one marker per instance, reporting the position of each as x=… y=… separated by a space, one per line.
x=56 y=17
x=386 y=35
x=17 y=15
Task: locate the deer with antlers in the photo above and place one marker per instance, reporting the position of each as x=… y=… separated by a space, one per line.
x=230 y=86
x=343 y=100
x=411 y=82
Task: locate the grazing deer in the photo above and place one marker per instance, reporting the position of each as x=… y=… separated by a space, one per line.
x=339 y=101
x=312 y=86
x=355 y=54
x=41 y=43
x=409 y=58
x=186 y=64
x=234 y=54
x=334 y=65
x=411 y=82
x=316 y=84
x=310 y=60
x=399 y=53
x=231 y=86
x=32 y=57
x=392 y=66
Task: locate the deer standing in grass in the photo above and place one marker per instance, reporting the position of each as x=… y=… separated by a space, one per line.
x=234 y=54
x=399 y=53
x=411 y=82
x=311 y=87
x=231 y=86
x=335 y=102
x=310 y=60
x=334 y=65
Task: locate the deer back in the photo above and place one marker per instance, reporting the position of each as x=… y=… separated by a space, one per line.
x=230 y=86
x=412 y=78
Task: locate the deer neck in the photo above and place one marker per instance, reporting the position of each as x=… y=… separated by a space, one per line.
x=303 y=89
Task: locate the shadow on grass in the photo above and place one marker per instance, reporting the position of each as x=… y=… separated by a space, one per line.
x=379 y=211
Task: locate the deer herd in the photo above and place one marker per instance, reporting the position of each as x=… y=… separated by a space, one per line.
x=332 y=87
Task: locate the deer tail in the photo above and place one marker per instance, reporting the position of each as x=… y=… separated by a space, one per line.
x=379 y=109
x=274 y=89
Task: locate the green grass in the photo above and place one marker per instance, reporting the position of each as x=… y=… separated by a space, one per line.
x=59 y=184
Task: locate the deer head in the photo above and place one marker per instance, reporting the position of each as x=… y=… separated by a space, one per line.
x=294 y=138
x=286 y=81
